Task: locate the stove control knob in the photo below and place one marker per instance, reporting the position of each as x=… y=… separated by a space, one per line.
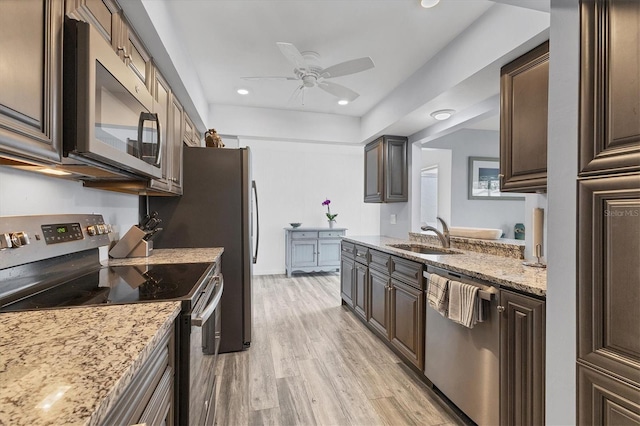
x=92 y=230
x=18 y=239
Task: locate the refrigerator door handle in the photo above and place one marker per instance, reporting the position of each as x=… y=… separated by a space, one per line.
x=255 y=194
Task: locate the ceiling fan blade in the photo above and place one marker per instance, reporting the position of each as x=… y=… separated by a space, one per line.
x=338 y=90
x=269 y=78
x=349 y=67
x=295 y=94
x=293 y=55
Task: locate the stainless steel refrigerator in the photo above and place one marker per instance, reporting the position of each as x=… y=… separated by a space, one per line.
x=218 y=208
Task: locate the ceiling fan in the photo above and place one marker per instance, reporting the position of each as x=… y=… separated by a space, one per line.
x=310 y=74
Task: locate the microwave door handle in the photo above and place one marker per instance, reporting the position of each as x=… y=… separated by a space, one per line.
x=150 y=116
x=160 y=141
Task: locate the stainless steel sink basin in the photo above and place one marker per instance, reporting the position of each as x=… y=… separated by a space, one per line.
x=418 y=248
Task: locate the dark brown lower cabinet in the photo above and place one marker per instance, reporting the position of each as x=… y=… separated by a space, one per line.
x=406 y=325
x=522 y=357
x=604 y=400
x=379 y=301
x=347 y=267
x=149 y=398
x=360 y=289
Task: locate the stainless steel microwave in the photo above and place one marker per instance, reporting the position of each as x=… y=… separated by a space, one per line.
x=108 y=113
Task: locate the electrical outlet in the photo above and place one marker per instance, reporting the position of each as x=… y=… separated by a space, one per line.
x=394 y=219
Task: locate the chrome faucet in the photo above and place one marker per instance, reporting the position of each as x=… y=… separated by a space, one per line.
x=443 y=236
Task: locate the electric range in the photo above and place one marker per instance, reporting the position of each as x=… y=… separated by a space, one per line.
x=53 y=262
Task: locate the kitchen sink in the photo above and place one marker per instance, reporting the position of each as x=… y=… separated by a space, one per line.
x=419 y=248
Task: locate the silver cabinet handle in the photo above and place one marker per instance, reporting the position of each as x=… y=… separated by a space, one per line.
x=501 y=308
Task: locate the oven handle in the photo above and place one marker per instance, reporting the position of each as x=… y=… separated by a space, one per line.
x=211 y=307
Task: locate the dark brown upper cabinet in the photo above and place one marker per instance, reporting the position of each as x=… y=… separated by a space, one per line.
x=524 y=93
x=610 y=87
x=386 y=170
x=30 y=98
x=107 y=17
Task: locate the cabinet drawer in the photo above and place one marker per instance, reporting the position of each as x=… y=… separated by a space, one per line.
x=348 y=249
x=331 y=234
x=379 y=261
x=304 y=234
x=407 y=271
x=362 y=254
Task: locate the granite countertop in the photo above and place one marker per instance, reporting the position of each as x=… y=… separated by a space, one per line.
x=177 y=255
x=68 y=366
x=506 y=271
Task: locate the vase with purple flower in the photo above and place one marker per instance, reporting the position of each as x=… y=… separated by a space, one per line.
x=330 y=216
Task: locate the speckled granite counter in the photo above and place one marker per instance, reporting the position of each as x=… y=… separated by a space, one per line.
x=505 y=271
x=68 y=366
x=178 y=255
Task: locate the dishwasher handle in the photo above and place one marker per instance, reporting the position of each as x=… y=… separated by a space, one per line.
x=484 y=292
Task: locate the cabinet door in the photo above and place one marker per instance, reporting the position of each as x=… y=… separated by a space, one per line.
x=102 y=14
x=610 y=86
x=175 y=145
x=379 y=301
x=328 y=252
x=406 y=327
x=360 y=288
x=524 y=87
x=605 y=400
x=522 y=354
x=396 y=188
x=135 y=55
x=608 y=275
x=188 y=131
x=30 y=97
x=373 y=172
x=304 y=253
x=162 y=96
x=346 y=279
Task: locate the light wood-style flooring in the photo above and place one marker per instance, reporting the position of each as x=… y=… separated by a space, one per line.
x=311 y=362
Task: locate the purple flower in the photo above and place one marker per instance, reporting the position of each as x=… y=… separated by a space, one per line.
x=326 y=202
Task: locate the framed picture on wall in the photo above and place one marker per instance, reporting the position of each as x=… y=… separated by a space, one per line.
x=484 y=180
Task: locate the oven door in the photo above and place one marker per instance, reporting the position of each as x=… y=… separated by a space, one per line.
x=205 y=341
x=109 y=113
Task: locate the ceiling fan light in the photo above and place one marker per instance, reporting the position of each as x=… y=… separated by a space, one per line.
x=442 y=114
x=429 y=3
x=343 y=102
x=242 y=92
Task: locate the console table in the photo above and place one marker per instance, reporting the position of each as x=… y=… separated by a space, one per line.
x=312 y=249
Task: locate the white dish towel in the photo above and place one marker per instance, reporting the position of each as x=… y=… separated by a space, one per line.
x=463 y=303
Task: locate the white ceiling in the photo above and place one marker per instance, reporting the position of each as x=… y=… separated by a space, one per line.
x=221 y=41
x=399 y=35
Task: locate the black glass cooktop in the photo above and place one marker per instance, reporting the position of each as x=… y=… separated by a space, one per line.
x=119 y=284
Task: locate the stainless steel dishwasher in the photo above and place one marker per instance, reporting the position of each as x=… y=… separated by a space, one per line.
x=464 y=363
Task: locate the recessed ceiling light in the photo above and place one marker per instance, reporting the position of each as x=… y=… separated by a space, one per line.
x=429 y=3
x=442 y=114
x=343 y=102
x=243 y=91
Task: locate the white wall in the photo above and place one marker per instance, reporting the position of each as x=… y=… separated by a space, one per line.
x=564 y=73
x=503 y=214
x=293 y=179
x=27 y=193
